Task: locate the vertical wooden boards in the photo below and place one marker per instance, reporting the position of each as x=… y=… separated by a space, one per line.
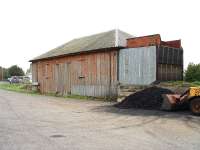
x=98 y=75
x=169 y=55
x=170 y=63
x=92 y=74
x=168 y=72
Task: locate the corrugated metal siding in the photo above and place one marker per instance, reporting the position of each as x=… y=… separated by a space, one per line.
x=137 y=66
x=92 y=74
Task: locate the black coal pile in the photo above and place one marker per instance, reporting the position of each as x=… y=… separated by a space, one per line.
x=149 y=98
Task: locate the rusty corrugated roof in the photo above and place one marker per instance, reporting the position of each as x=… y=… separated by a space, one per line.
x=113 y=38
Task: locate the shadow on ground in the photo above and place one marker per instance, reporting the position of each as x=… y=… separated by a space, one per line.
x=180 y=114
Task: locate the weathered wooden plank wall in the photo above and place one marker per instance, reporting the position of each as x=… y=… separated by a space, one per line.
x=170 y=63
x=92 y=74
x=169 y=72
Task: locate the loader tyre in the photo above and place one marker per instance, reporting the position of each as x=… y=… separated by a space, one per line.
x=195 y=106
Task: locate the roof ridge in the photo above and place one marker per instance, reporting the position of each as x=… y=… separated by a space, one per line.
x=116 y=37
x=108 y=39
x=94 y=34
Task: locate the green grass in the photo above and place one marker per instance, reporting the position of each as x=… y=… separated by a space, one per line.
x=181 y=83
x=196 y=83
x=26 y=88
x=80 y=97
x=22 y=88
x=68 y=96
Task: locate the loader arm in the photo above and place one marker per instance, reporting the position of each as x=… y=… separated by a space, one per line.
x=190 y=96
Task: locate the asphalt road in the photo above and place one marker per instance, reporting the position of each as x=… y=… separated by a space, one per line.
x=30 y=122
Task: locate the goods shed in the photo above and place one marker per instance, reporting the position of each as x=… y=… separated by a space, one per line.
x=96 y=65
x=85 y=66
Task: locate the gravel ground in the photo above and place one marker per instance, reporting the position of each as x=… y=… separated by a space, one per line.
x=31 y=122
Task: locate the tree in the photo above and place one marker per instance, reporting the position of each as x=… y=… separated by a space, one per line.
x=5 y=73
x=15 y=71
x=193 y=72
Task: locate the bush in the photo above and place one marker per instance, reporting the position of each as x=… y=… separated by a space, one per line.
x=15 y=71
x=193 y=72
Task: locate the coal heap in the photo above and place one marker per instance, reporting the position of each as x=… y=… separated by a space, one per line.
x=149 y=98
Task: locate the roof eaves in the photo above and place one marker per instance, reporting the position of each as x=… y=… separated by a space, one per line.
x=81 y=52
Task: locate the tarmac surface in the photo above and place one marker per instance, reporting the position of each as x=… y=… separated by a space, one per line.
x=34 y=122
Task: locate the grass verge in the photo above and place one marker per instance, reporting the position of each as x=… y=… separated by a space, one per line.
x=181 y=83
x=26 y=88
x=21 y=88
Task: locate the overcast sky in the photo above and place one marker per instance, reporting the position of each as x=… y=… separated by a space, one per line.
x=29 y=28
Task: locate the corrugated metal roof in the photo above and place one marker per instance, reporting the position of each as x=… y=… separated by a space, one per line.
x=113 y=38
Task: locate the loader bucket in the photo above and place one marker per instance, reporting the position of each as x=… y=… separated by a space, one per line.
x=170 y=101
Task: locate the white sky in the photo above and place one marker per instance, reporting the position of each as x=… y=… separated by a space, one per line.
x=29 y=28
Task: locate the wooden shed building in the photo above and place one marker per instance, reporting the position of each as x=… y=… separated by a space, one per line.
x=95 y=65
x=85 y=66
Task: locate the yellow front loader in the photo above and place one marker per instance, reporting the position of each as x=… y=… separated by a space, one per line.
x=191 y=97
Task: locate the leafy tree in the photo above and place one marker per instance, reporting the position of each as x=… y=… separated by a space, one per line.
x=15 y=71
x=5 y=73
x=193 y=72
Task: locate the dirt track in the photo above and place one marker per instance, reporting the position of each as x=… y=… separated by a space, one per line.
x=49 y=123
